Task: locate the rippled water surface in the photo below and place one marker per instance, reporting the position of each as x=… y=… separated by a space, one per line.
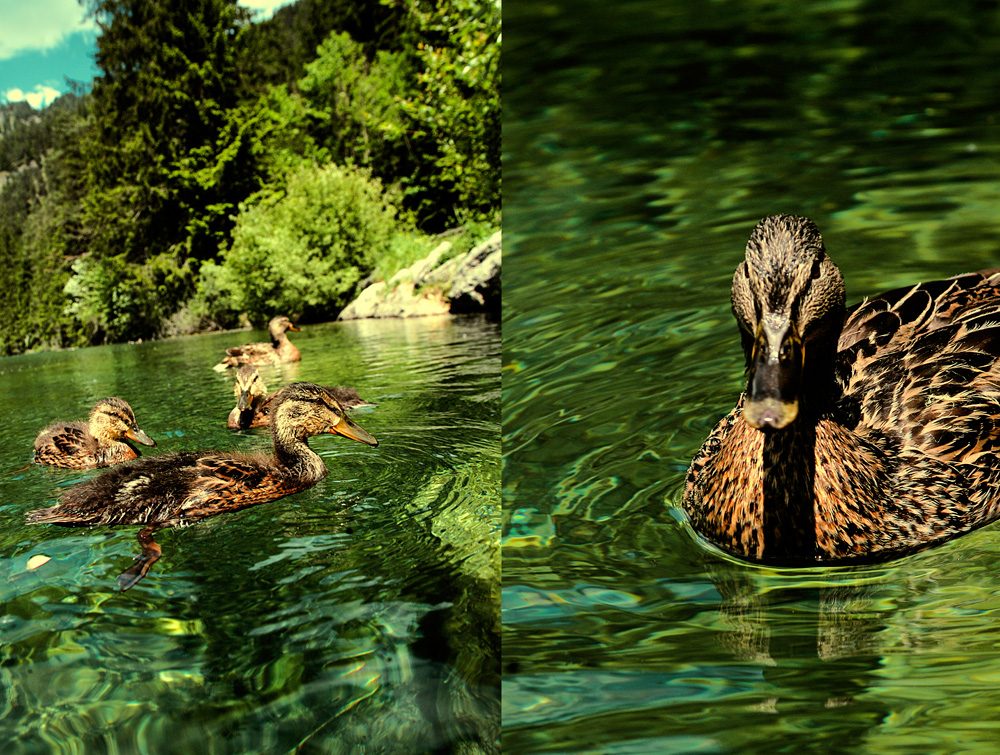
x=642 y=142
x=357 y=616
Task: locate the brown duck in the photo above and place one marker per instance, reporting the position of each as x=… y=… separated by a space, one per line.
x=101 y=442
x=279 y=351
x=253 y=404
x=172 y=489
x=863 y=434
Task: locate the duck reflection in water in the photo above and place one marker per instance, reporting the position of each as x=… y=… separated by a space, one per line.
x=174 y=489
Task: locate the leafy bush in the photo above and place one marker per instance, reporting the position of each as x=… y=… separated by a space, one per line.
x=301 y=251
x=113 y=300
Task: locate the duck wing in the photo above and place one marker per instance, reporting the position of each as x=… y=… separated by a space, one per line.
x=348 y=397
x=922 y=364
x=65 y=444
x=143 y=492
x=229 y=483
x=251 y=351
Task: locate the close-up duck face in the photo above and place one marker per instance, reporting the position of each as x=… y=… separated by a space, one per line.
x=787 y=295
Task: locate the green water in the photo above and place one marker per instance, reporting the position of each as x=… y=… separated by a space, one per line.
x=358 y=616
x=642 y=142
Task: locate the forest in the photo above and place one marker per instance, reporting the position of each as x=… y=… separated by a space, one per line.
x=219 y=170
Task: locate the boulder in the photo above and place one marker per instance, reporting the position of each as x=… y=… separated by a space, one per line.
x=476 y=285
x=467 y=283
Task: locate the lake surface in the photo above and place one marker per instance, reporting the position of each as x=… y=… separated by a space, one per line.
x=358 y=616
x=642 y=143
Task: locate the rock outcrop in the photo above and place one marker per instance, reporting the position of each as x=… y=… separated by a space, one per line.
x=462 y=284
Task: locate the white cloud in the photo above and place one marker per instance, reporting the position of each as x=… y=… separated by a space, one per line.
x=42 y=24
x=265 y=8
x=38 y=98
x=39 y=25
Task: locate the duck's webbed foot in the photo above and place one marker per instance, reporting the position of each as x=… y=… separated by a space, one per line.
x=150 y=555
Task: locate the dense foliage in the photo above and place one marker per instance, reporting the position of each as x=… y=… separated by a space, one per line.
x=220 y=168
x=303 y=249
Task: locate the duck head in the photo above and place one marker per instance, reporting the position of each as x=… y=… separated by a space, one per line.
x=278 y=326
x=249 y=386
x=305 y=409
x=113 y=419
x=788 y=299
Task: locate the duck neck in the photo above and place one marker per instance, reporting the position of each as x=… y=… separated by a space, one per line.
x=297 y=459
x=789 y=469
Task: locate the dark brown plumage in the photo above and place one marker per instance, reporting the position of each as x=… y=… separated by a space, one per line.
x=164 y=491
x=279 y=351
x=862 y=434
x=100 y=442
x=253 y=404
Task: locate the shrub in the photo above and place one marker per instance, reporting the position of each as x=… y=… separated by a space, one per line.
x=303 y=249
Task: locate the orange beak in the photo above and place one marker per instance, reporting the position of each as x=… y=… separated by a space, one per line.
x=351 y=429
x=139 y=437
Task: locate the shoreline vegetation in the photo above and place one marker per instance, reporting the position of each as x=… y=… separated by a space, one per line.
x=219 y=171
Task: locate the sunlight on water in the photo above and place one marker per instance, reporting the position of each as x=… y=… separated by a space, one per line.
x=358 y=614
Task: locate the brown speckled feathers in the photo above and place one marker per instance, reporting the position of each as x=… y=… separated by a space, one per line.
x=871 y=434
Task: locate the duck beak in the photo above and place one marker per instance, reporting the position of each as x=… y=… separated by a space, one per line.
x=772 y=397
x=140 y=437
x=350 y=429
x=245 y=400
x=292 y=327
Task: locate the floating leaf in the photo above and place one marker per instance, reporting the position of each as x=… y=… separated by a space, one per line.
x=35 y=561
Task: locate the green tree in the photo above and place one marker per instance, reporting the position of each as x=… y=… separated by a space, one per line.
x=454 y=109
x=168 y=160
x=354 y=103
x=303 y=249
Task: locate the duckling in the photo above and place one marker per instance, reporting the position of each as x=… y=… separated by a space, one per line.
x=253 y=408
x=280 y=349
x=251 y=396
x=863 y=434
x=174 y=489
x=100 y=442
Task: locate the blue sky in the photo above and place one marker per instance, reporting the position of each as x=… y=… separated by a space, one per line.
x=44 y=42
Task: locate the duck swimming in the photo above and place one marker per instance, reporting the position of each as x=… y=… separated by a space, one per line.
x=253 y=405
x=279 y=351
x=100 y=442
x=864 y=433
x=251 y=395
x=173 y=489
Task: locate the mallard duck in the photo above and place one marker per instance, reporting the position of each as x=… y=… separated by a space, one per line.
x=251 y=395
x=863 y=434
x=168 y=490
x=253 y=406
x=279 y=351
x=100 y=442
